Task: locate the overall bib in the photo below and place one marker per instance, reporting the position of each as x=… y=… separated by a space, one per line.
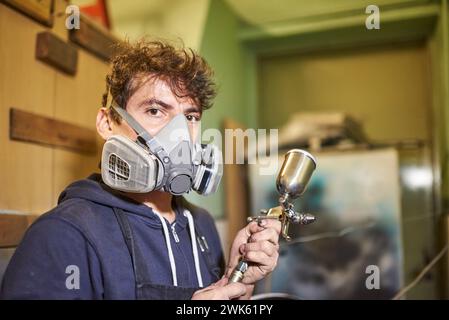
x=146 y=290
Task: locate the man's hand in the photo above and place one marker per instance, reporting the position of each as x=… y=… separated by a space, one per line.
x=258 y=244
x=221 y=290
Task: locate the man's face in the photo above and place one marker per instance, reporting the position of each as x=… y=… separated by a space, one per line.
x=153 y=105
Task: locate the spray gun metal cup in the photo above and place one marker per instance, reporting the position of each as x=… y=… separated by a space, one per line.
x=291 y=183
x=295 y=174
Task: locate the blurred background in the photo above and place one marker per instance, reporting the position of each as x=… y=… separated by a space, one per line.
x=363 y=88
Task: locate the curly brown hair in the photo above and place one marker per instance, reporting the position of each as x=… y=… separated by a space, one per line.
x=187 y=73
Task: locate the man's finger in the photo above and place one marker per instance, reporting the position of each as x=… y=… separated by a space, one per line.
x=241 y=238
x=265 y=246
x=234 y=258
x=269 y=234
x=259 y=257
x=234 y=290
x=220 y=283
x=254 y=227
x=271 y=223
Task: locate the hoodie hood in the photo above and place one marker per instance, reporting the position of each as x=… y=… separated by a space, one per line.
x=94 y=189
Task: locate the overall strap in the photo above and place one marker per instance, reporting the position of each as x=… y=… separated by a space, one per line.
x=130 y=243
x=214 y=269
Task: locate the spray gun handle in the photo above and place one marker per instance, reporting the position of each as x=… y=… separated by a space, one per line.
x=283 y=213
x=242 y=266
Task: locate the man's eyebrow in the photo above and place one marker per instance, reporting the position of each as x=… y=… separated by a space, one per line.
x=151 y=101
x=192 y=109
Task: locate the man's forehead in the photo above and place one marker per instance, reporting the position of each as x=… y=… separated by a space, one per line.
x=153 y=87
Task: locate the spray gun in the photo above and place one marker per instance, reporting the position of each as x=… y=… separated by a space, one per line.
x=291 y=183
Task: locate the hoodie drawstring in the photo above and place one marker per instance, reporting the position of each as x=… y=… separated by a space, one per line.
x=194 y=248
x=170 y=251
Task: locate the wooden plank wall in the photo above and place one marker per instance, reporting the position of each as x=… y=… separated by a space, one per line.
x=32 y=175
x=236 y=188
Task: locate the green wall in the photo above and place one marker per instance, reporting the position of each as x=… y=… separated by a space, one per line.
x=385 y=88
x=230 y=62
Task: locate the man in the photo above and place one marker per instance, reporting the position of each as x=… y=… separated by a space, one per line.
x=128 y=233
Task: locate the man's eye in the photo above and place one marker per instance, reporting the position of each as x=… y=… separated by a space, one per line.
x=153 y=111
x=192 y=118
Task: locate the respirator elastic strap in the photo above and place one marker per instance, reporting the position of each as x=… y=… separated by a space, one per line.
x=140 y=131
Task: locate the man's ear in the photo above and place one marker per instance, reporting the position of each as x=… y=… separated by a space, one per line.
x=104 y=123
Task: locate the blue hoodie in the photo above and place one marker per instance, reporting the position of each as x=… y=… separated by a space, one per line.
x=82 y=234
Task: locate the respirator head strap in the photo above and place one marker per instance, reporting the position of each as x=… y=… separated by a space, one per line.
x=143 y=137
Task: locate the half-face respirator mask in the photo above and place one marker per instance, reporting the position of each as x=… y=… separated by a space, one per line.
x=169 y=161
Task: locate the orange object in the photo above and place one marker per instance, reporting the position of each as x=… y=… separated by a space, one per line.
x=98 y=11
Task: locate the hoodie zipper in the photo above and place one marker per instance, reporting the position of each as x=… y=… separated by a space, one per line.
x=175 y=235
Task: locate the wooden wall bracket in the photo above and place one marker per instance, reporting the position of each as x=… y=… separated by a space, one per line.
x=56 y=52
x=38 y=10
x=30 y=127
x=94 y=38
